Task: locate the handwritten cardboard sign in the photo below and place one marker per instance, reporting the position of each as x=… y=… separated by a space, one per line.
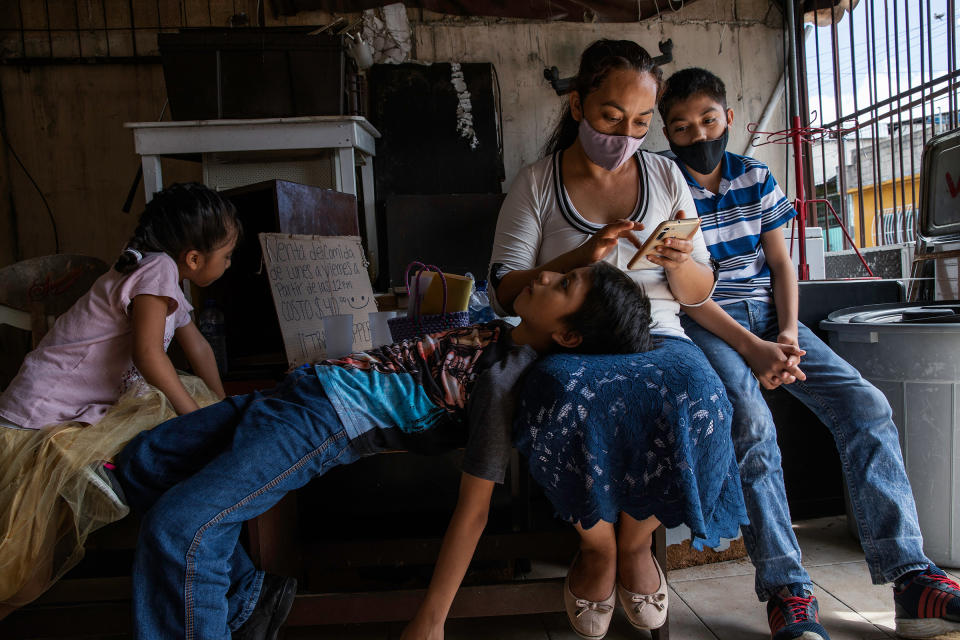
x=312 y=277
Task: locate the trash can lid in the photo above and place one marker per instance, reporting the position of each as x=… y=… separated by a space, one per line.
x=940 y=313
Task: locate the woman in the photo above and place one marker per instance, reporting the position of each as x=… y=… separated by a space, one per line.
x=590 y=199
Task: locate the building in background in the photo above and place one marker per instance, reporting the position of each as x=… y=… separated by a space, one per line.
x=882 y=199
x=882 y=183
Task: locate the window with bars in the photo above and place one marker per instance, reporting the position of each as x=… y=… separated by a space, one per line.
x=885 y=78
x=896 y=226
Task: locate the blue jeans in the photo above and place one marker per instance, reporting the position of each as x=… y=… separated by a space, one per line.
x=197 y=478
x=859 y=417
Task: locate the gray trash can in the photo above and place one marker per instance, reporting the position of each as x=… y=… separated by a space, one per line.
x=911 y=352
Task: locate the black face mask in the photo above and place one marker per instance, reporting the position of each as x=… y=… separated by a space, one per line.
x=704 y=156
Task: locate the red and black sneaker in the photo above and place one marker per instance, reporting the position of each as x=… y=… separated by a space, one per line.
x=794 y=614
x=927 y=604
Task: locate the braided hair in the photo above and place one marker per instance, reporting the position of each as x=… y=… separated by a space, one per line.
x=183 y=217
x=596 y=63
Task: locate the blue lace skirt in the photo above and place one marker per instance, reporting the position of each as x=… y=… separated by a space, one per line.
x=647 y=434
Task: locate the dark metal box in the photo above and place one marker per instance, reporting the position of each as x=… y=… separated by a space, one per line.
x=254 y=341
x=216 y=73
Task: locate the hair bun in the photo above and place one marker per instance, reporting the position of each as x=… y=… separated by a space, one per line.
x=136 y=254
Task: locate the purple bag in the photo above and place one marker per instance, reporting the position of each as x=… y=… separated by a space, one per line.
x=404 y=327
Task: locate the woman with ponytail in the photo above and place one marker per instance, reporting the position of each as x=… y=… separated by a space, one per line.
x=596 y=195
x=100 y=376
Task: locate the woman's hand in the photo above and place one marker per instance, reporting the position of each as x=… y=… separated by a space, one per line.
x=775 y=363
x=602 y=242
x=673 y=252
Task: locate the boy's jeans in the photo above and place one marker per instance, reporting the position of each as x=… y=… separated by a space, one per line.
x=197 y=478
x=859 y=417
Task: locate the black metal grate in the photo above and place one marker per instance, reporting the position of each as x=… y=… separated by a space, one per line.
x=85 y=31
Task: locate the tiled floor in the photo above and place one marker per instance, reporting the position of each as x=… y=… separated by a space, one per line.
x=713 y=602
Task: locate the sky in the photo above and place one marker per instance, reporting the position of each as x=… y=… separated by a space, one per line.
x=875 y=20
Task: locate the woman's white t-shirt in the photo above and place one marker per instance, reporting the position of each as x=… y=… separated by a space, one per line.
x=538 y=222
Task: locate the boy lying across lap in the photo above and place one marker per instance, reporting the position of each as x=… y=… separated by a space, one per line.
x=198 y=477
x=752 y=324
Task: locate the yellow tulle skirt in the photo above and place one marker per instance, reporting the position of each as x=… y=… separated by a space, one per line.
x=51 y=497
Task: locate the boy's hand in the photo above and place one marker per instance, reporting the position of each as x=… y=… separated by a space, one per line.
x=788 y=337
x=418 y=630
x=673 y=252
x=602 y=242
x=774 y=363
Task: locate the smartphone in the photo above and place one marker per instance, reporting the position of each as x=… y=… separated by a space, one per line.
x=683 y=228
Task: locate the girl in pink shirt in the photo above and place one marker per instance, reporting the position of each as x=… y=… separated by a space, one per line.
x=100 y=376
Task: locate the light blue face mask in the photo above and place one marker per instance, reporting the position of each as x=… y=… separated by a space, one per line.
x=605 y=150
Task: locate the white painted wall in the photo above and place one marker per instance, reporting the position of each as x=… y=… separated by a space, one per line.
x=740 y=41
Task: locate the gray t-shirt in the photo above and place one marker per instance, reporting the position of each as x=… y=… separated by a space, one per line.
x=490 y=415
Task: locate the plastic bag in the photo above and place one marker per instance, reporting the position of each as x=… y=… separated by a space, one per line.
x=479 y=307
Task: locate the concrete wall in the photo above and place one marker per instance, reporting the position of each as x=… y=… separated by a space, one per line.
x=739 y=41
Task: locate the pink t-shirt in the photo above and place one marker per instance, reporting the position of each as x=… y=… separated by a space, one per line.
x=83 y=365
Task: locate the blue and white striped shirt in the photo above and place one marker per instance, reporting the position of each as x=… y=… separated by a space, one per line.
x=749 y=204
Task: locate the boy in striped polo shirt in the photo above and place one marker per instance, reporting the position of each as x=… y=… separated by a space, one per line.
x=750 y=329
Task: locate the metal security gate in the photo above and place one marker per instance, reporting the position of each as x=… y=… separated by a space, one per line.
x=876 y=82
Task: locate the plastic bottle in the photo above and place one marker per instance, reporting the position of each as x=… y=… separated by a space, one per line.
x=480 y=309
x=211 y=326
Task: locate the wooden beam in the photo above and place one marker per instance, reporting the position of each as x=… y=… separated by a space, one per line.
x=10 y=16
x=68 y=621
x=118 y=21
x=145 y=21
x=64 y=38
x=146 y=13
x=90 y=22
x=198 y=12
x=550 y=545
x=171 y=14
x=34 y=15
x=72 y=606
x=221 y=12
x=273 y=538
x=9 y=234
x=87 y=590
x=536 y=596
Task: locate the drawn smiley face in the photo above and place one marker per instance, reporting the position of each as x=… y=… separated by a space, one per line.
x=358 y=301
